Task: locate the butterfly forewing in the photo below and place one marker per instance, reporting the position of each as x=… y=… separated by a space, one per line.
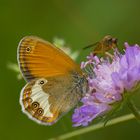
x=38 y=58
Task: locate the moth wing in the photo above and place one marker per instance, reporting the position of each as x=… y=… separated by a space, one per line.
x=38 y=58
x=46 y=100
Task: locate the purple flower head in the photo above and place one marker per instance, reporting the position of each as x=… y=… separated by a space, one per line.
x=108 y=80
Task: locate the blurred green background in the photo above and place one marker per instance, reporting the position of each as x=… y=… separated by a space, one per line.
x=79 y=23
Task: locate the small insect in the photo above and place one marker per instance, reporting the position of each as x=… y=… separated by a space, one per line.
x=106 y=44
x=55 y=83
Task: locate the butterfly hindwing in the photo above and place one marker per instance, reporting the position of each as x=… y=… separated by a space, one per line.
x=46 y=100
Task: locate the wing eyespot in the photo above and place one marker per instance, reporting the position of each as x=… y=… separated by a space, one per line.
x=40 y=111
x=35 y=105
x=28 y=49
x=41 y=82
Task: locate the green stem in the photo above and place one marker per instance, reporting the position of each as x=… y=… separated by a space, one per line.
x=94 y=127
x=134 y=109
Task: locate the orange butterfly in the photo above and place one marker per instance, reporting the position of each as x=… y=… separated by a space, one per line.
x=55 y=83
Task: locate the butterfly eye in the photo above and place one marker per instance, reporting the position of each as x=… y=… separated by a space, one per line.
x=28 y=49
x=40 y=111
x=35 y=105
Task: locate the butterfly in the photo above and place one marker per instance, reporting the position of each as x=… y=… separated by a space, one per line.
x=106 y=44
x=55 y=83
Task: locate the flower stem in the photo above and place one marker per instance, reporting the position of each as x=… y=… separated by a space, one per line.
x=134 y=109
x=94 y=127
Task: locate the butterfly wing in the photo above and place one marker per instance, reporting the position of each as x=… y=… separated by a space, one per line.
x=55 y=81
x=46 y=100
x=38 y=58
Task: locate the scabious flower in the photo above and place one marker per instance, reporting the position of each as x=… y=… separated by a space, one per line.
x=109 y=79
